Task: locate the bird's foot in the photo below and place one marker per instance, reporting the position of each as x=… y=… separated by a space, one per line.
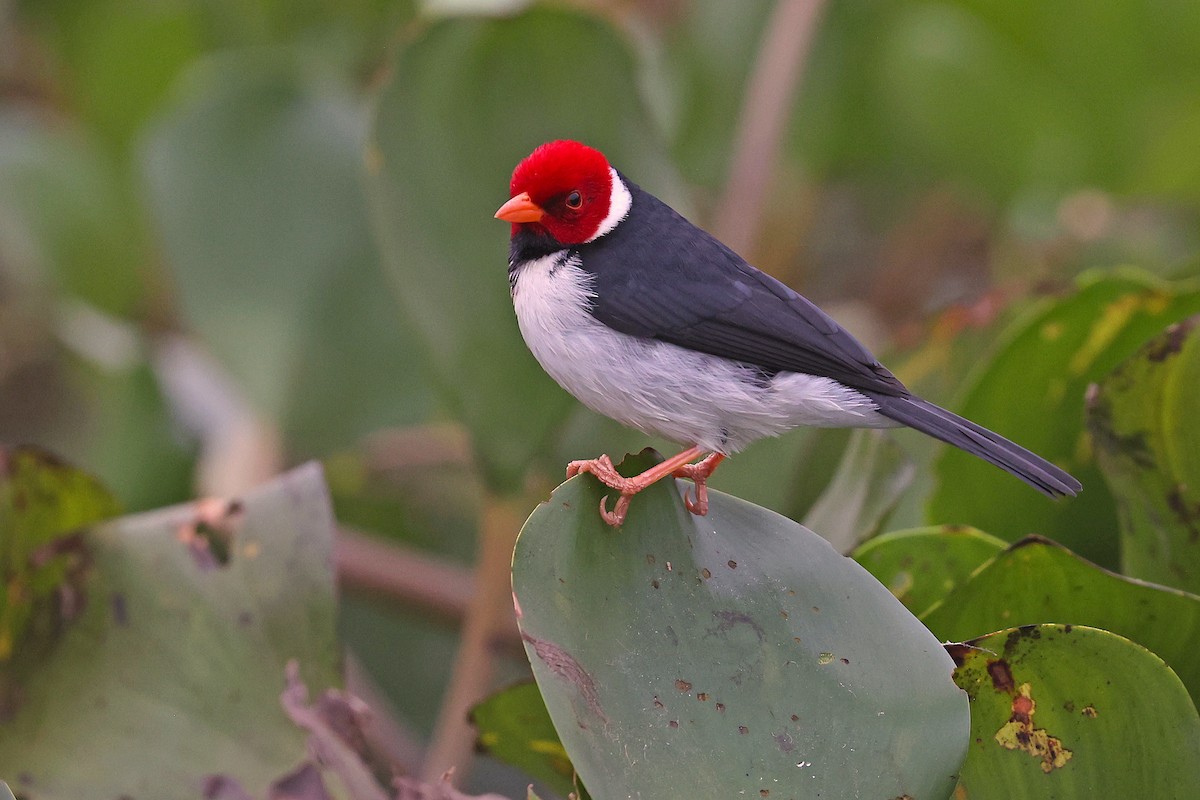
x=699 y=473
x=604 y=471
x=607 y=474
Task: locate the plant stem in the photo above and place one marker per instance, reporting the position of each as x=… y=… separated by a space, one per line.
x=769 y=97
x=489 y=614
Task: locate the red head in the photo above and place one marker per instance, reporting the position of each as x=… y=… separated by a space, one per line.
x=564 y=188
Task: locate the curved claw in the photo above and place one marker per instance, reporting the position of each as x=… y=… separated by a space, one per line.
x=699 y=506
x=617 y=515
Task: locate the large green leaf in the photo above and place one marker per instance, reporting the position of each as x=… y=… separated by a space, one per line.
x=1037 y=581
x=42 y=502
x=514 y=726
x=468 y=99
x=64 y=221
x=727 y=655
x=1033 y=391
x=1061 y=95
x=255 y=181
x=1143 y=423
x=1062 y=711
x=869 y=482
x=921 y=565
x=179 y=660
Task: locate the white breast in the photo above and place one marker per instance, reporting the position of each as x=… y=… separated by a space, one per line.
x=660 y=388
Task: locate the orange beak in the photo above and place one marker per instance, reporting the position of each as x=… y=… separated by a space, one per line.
x=520 y=209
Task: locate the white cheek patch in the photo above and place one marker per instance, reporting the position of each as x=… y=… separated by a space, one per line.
x=619 y=203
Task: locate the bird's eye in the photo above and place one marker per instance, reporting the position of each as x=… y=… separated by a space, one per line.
x=574 y=200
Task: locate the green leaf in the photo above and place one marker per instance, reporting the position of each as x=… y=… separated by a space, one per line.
x=255 y=180
x=515 y=728
x=1036 y=581
x=42 y=502
x=727 y=655
x=133 y=435
x=180 y=660
x=1061 y=711
x=920 y=566
x=1032 y=391
x=468 y=100
x=1063 y=95
x=65 y=220
x=870 y=480
x=1143 y=423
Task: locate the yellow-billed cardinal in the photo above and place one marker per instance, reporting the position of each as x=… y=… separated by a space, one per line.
x=651 y=321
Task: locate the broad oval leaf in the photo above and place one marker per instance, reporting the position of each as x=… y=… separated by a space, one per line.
x=1033 y=390
x=1143 y=422
x=174 y=668
x=1037 y=581
x=1062 y=711
x=255 y=180
x=921 y=565
x=730 y=655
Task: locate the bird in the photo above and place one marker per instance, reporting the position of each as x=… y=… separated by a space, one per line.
x=650 y=320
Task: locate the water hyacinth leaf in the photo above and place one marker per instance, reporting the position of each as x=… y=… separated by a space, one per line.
x=42 y=502
x=191 y=614
x=1036 y=581
x=468 y=99
x=254 y=178
x=64 y=223
x=514 y=727
x=1033 y=390
x=870 y=480
x=921 y=565
x=727 y=655
x=1069 y=711
x=1143 y=422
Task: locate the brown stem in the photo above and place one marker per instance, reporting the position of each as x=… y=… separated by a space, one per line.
x=402 y=573
x=488 y=615
x=769 y=97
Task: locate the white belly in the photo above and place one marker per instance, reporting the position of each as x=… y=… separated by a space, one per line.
x=663 y=389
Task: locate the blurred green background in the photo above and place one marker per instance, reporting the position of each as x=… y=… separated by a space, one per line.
x=235 y=236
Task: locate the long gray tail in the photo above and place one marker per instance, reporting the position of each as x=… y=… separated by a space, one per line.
x=977 y=440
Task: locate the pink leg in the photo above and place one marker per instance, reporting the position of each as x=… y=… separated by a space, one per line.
x=604 y=470
x=699 y=473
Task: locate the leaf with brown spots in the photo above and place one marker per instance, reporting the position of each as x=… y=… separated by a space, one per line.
x=1032 y=391
x=1019 y=733
x=1028 y=742
x=180 y=667
x=44 y=559
x=717 y=686
x=1036 y=580
x=1142 y=418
